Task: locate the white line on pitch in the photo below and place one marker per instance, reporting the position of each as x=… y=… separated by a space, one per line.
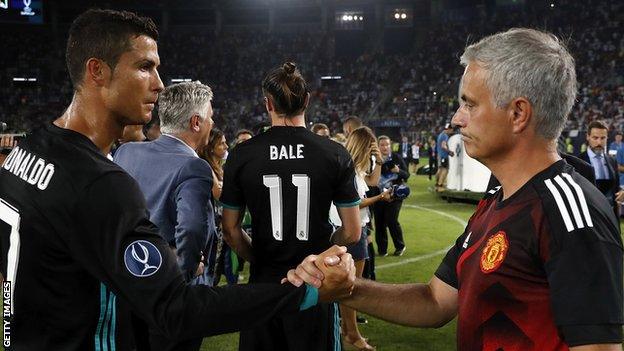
x=429 y=255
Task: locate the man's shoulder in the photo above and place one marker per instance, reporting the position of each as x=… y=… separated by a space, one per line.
x=572 y=202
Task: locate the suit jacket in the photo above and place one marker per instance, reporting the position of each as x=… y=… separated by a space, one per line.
x=177 y=185
x=611 y=186
x=409 y=152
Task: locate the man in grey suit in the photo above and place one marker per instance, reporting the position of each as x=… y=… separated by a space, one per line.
x=177 y=183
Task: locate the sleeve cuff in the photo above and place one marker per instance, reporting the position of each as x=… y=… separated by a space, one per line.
x=310 y=299
x=578 y=335
x=348 y=204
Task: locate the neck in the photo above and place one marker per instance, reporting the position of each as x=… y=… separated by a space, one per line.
x=513 y=174
x=188 y=138
x=88 y=116
x=281 y=121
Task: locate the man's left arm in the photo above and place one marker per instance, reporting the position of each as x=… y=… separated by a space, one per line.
x=195 y=216
x=584 y=267
x=234 y=235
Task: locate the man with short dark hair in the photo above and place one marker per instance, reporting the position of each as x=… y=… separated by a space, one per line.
x=320 y=129
x=242 y=135
x=75 y=236
x=605 y=166
x=350 y=124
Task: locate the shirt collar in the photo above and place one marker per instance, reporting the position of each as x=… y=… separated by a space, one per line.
x=181 y=141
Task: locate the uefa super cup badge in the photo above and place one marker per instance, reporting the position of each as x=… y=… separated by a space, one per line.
x=142 y=258
x=494 y=252
x=27 y=11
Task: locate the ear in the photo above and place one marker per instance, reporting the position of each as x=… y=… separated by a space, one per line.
x=307 y=101
x=97 y=71
x=521 y=113
x=268 y=103
x=195 y=123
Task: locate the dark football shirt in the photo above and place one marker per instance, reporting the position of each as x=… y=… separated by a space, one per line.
x=288 y=177
x=75 y=238
x=541 y=270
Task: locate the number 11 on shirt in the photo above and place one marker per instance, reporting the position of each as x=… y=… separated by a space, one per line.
x=302 y=182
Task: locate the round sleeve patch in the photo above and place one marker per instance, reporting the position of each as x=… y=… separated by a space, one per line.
x=142 y=258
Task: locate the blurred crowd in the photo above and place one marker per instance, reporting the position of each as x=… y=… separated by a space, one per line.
x=418 y=89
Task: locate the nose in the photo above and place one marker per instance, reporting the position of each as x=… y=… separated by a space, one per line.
x=159 y=86
x=459 y=118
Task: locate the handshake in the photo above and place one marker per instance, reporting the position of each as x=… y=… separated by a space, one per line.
x=332 y=272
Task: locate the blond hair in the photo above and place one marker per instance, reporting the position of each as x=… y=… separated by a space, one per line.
x=359 y=144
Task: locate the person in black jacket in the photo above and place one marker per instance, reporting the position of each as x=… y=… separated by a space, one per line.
x=605 y=166
x=393 y=171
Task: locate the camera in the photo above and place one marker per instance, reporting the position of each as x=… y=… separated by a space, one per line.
x=400 y=191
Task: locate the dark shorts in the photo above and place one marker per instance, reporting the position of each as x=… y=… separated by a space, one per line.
x=315 y=329
x=359 y=250
x=444 y=163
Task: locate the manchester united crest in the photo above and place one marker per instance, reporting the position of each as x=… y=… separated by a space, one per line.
x=494 y=252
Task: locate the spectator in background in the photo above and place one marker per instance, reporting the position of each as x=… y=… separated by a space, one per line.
x=215 y=153
x=405 y=150
x=178 y=185
x=415 y=160
x=321 y=129
x=433 y=156
x=351 y=123
x=362 y=146
x=443 y=155
x=616 y=149
x=393 y=171
x=605 y=166
x=242 y=135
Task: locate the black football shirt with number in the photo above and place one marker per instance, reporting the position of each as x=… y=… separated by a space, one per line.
x=75 y=239
x=288 y=177
x=540 y=270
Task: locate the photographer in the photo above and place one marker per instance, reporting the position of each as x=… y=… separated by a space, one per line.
x=393 y=172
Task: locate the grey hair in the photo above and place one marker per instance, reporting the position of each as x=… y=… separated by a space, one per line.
x=528 y=63
x=179 y=102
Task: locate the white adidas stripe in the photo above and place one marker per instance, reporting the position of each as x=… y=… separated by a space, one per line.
x=571 y=201
x=562 y=208
x=494 y=190
x=581 y=197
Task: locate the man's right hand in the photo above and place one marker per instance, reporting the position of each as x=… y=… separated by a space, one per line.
x=332 y=272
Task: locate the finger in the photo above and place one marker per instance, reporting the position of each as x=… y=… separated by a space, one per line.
x=284 y=280
x=292 y=277
x=335 y=250
x=309 y=264
x=347 y=260
x=303 y=275
x=332 y=260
